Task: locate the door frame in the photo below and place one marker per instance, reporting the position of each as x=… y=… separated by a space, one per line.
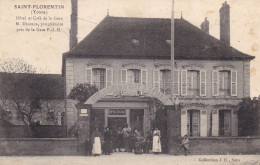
x=127 y=116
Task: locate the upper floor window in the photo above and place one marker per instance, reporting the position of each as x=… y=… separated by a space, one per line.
x=165 y=81
x=99 y=77
x=138 y=76
x=224 y=83
x=162 y=81
x=193 y=82
x=134 y=76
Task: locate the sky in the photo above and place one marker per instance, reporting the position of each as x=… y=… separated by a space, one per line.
x=44 y=49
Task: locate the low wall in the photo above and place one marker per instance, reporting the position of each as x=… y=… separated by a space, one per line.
x=42 y=131
x=38 y=146
x=225 y=145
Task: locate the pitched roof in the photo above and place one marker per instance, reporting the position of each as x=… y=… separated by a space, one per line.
x=113 y=38
x=35 y=86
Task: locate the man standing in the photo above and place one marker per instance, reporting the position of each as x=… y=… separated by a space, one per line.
x=126 y=133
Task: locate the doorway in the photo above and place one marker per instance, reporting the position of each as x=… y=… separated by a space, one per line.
x=224 y=123
x=114 y=123
x=193 y=124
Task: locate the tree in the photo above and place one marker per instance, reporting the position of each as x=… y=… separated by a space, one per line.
x=248 y=117
x=22 y=90
x=81 y=92
x=16 y=65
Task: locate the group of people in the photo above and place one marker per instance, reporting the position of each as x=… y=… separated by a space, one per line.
x=128 y=139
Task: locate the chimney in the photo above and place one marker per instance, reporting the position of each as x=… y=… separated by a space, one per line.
x=205 y=26
x=74 y=23
x=225 y=23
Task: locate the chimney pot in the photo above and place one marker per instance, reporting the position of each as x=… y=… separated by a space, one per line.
x=74 y=23
x=225 y=23
x=205 y=25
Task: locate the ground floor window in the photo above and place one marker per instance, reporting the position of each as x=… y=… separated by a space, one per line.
x=224 y=122
x=193 y=122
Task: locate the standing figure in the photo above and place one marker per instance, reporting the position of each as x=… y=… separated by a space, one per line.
x=107 y=141
x=88 y=144
x=149 y=142
x=96 y=136
x=131 y=140
x=138 y=142
x=120 y=141
x=185 y=144
x=156 y=141
x=126 y=134
x=115 y=139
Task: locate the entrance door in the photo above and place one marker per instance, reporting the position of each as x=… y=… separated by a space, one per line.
x=116 y=122
x=193 y=123
x=224 y=122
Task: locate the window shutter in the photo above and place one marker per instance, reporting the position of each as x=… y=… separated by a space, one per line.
x=124 y=76
x=215 y=87
x=156 y=79
x=144 y=76
x=109 y=77
x=233 y=83
x=184 y=82
x=88 y=75
x=176 y=83
x=202 y=83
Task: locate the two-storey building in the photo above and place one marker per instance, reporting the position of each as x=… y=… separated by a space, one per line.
x=129 y=59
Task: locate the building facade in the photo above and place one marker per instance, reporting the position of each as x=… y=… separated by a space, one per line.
x=128 y=59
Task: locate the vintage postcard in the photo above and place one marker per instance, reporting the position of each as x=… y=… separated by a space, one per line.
x=129 y=82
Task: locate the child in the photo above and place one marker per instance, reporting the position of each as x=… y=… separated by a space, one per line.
x=185 y=144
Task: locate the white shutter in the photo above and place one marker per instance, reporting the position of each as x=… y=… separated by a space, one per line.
x=144 y=76
x=203 y=83
x=184 y=82
x=124 y=76
x=203 y=123
x=233 y=83
x=109 y=77
x=156 y=79
x=215 y=87
x=215 y=123
x=88 y=75
x=184 y=122
x=176 y=81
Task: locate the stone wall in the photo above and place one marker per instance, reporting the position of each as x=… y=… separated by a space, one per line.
x=225 y=145
x=38 y=146
x=42 y=131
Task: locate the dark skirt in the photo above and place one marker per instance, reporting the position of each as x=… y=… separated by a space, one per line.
x=108 y=147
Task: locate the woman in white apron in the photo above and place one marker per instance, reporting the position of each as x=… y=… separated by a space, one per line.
x=96 y=136
x=156 y=141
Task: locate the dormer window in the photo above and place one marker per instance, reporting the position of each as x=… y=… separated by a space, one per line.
x=168 y=42
x=135 y=42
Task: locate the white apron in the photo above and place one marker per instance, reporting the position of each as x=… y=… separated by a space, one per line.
x=96 y=146
x=156 y=144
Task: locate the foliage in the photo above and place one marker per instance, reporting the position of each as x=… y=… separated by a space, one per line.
x=81 y=92
x=23 y=92
x=248 y=117
x=18 y=65
x=160 y=120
